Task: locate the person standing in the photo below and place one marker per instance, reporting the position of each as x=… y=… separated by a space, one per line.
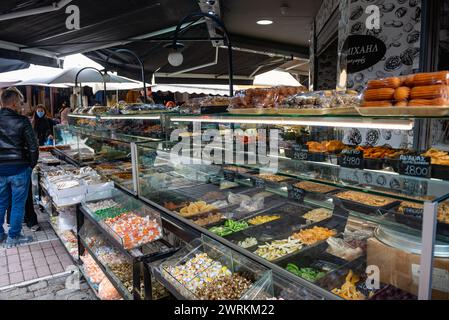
x=19 y=153
x=42 y=125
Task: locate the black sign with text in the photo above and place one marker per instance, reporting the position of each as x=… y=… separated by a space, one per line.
x=351 y=158
x=363 y=51
x=296 y=194
x=415 y=166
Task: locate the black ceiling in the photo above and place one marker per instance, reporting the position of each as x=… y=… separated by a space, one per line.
x=107 y=24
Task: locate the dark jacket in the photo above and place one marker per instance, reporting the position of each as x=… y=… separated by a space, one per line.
x=43 y=127
x=18 y=143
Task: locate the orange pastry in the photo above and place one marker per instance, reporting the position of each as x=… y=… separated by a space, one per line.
x=428 y=102
x=394 y=83
x=401 y=104
x=426 y=79
x=402 y=93
x=379 y=94
x=369 y=104
x=430 y=92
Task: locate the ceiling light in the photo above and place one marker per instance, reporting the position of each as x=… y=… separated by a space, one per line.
x=264 y=22
x=175 y=58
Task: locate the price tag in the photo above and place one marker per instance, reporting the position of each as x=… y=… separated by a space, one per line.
x=296 y=194
x=351 y=158
x=301 y=155
x=415 y=166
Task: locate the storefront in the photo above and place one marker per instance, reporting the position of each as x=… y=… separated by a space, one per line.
x=280 y=193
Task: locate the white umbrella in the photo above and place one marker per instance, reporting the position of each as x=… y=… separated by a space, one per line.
x=68 y=77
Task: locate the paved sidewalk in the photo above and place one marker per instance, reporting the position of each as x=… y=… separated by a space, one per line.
x=50 y=289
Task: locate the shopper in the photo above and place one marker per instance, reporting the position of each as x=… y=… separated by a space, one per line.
x=64 y=113
x=42 y=125
x=19 y=153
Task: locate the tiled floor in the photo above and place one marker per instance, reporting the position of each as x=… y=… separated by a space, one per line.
x=45 y=256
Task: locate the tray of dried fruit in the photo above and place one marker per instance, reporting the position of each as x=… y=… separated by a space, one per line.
x=207 y=270
x=364 y=203
x=300 y=240
x=129 y=222
x=274 y=181
x=231 y=173
x=411 y=215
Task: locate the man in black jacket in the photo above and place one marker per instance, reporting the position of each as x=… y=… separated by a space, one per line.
x=19 y=153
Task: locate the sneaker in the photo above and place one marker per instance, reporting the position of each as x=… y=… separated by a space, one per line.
x=21 y=239
x=2 y=237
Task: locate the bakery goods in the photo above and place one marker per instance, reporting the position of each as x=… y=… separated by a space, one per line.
x=379 y=94
x=402 y=93
x=368 y=104
x=429 y=92
x=394 y=83
x=364 y=198
x=314 y=187
x=426 y=79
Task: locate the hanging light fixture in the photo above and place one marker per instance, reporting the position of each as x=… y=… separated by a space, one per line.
x=175 y=57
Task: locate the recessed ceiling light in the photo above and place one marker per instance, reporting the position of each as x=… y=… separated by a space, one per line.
x=264 y=22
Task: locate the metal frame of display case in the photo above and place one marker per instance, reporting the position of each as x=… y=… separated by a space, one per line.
x=138 y=259
x=187 y=230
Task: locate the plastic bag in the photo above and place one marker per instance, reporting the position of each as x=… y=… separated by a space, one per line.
x=338 y=247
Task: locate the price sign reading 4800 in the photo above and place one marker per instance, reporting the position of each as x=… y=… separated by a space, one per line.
x=415 y=166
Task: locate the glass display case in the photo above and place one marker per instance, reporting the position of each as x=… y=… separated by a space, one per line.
x=322 y=201
x=326 y=201
x=111 y=154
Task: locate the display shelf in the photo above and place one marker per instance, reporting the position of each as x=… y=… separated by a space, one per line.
x=108 y=273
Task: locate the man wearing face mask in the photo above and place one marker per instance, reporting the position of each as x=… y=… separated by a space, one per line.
x=42 y=125
x=19 y=153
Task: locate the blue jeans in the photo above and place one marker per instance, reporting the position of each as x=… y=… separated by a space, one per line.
x=14 y=190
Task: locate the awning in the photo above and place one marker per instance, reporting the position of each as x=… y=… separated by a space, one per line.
x=143 y=26
x=12 y=64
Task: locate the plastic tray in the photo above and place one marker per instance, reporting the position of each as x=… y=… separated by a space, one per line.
x=421 y=111
x=364 y=208
x=317 y=111
x=252 y=111
x=373 y=164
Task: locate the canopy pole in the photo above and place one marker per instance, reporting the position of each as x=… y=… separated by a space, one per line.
x=142 y=68
x=81 y=91
x=220 y=24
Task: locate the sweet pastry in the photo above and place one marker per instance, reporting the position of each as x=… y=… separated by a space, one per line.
x=368 y=104
x=428 y=102
x=401 y=104
x=366 y=199
x=402 y=93
x=430 y=92
x=195 y=208
x=393 y=83
x=379 y=94
x=314 y=187
x=426 y=79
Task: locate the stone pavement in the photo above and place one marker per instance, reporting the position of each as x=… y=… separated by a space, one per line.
x=50 y=289
x=39 y=270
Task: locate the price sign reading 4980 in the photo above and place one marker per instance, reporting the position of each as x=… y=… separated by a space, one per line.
x=415 y=166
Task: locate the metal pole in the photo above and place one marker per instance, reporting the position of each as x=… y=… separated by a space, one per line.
x=102 y=76
x=427 y=250
x=219 y=23
x=142 y=67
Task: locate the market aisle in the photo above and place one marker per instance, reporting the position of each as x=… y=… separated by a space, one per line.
x=51 y=289
x=44 y=257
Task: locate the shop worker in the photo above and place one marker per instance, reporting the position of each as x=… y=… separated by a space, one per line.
x=42 y=125
x=19 y=153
